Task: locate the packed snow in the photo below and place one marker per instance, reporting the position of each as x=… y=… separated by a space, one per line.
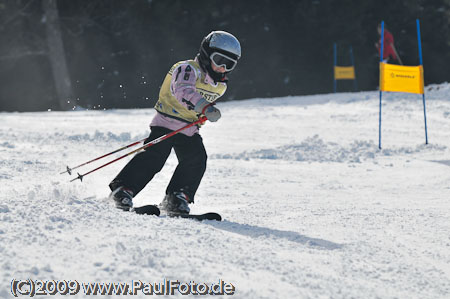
x=312 y=208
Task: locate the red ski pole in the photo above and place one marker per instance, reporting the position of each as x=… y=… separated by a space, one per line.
x=153 y=142
x=69 y=170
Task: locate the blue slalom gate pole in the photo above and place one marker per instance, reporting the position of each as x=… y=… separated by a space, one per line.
x=335 y=63
x=381 y=93
x=355 y=84
x=423 y=95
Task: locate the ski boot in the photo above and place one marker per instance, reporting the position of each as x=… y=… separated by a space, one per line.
x=175 y=203
x=123 y=198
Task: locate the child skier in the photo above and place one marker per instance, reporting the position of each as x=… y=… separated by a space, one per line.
x=389 y=50
x=188 y=92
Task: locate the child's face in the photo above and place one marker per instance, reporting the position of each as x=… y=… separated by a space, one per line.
x=218 y=69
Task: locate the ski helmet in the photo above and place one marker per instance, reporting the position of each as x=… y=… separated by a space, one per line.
x=222 y=49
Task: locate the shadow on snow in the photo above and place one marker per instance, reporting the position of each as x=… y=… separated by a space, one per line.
x=256 y=232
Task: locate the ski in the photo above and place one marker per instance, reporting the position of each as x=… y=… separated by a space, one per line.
x=200 y=217
x=147 y=210
x=154 y=210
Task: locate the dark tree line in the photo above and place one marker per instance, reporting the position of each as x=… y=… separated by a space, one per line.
x=101 y=54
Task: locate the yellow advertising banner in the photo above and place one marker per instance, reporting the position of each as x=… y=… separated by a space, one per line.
x=344 y=72
x=400 y=78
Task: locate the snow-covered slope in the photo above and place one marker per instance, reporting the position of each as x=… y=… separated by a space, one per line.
x=312 y=208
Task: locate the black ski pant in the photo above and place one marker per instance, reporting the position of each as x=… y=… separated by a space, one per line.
x=142 y=168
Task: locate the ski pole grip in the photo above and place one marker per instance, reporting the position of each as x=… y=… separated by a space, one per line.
x=204 y=108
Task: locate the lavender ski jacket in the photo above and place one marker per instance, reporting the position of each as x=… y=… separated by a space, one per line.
x=184 y=85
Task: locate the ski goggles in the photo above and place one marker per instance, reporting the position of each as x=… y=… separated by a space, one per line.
x=222 y=60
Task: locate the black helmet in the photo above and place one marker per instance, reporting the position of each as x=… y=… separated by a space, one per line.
x=222 y=49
